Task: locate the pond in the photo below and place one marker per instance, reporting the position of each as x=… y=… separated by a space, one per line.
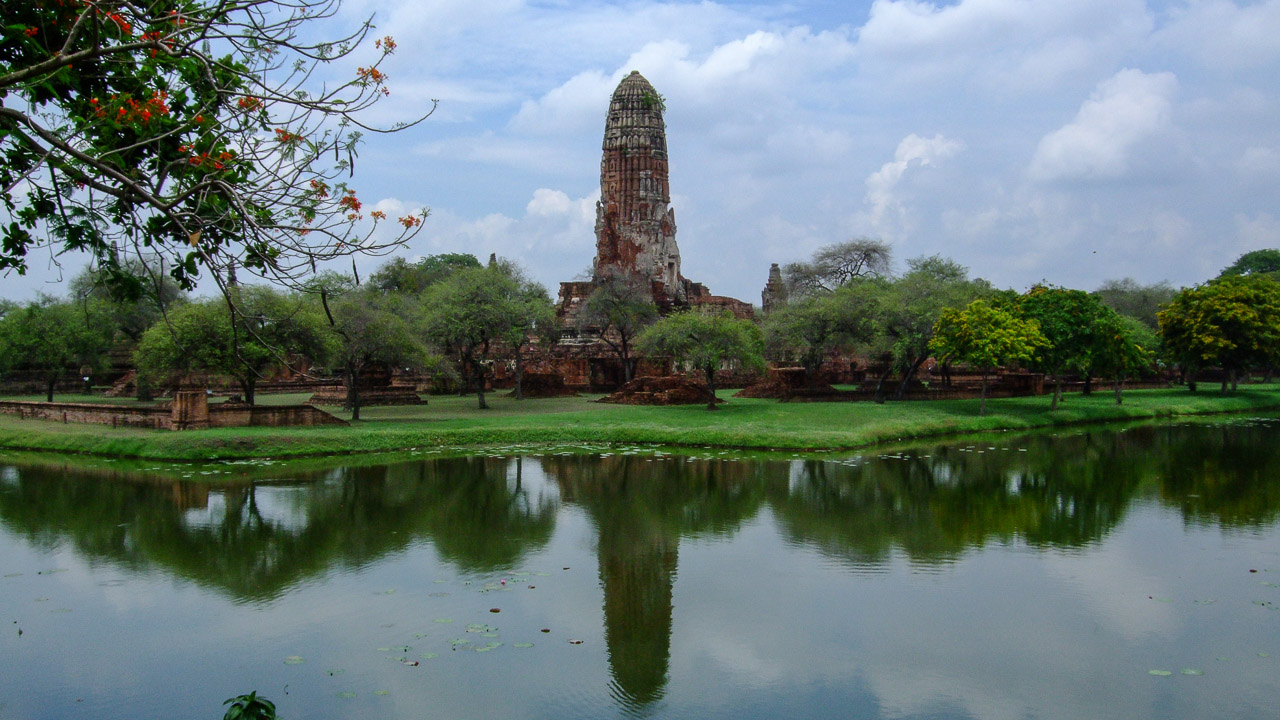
x=1097 y=572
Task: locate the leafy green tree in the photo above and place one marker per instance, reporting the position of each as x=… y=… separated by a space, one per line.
x=838 y=265
x=1232 y=322
x=985 y=337
x=370 y=328
x=201 y=132
x=470 y=312
x=705 y=342
x=1129 y=297
x=51 y=338
x=129 y=316
x=1123 y=346
x=1068 y=320
x=1258 y=262
x=400 y=275
x=616 y=311
x=909 y=308
x=806 y=329
x=243 y=338
x=533 y=316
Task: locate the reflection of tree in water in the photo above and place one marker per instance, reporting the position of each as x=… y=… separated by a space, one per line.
x=1221 y=474
x=341 y=518
x=935 y=504
x=641 y=507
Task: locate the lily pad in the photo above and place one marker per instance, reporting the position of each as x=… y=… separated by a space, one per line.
x=294 y=660
x=346 y=694
x=381 y=692
x=429 y=655
x=1160 y=673
x=523 y=645
x=1264 y=653
x=1192 y=671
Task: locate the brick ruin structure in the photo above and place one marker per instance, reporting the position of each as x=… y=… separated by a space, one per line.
x=635 y=237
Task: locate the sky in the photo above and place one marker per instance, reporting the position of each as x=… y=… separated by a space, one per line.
x=1030 y=140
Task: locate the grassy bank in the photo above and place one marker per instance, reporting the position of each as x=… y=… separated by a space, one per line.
x=739 y=423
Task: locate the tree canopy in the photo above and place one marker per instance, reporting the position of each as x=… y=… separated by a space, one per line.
x=986 y=337
x=197 y=132
x=1266 y=262
x=51 y=338
x=834 y=266
x=616 y=311
x=706 y=342
x=1232 y=322
x=1069 y=321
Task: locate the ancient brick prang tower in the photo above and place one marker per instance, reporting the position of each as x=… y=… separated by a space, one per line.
x=635 y=227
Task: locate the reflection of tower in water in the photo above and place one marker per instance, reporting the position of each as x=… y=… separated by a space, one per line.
x=641 y=508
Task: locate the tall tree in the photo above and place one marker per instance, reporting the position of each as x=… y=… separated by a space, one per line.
x=1068 y=319
x=1129 y=297
x=1232 y=322
x=1258 y=262
x=400 y=275
x=130 y=317
x=909 y=308
x=533 y=316
x=837 y=265
x=469 y=312
x=370 y=328
x=51 y=338
x=706 y=342
x=1124 y=346
x=986 y=337
x=805 y=330
x=201 y=132
x=616 y=311
x=244 y=338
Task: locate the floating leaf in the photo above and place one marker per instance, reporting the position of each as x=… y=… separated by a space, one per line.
x=429 y=655
x=443 y=621
x=13 y=575
x=495 y=610
x=1160 y=673
x=384 y=692
x=60 y=611
x=489 y=635
x=294 y=660
x=543 y=574
x=346 y=694
x=1264 y=653
x=1192 y=671
x=438 y=594
x=523 y=645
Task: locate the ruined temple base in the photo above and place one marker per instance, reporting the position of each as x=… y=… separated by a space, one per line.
x=667 y=390
x=543 y=385
x=394 y=395
x=786 y=384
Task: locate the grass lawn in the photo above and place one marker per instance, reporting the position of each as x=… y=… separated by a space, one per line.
x=739 y=423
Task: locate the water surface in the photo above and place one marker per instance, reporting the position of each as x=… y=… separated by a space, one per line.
x=1038 y=576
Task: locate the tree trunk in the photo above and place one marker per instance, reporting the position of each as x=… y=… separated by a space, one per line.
x=1270 y=374
x=624 y=354
x=946 y=375
x=1057 y=392
x=479 y=377
x=1235 y=378
x=901 y=394
x=50 y=385
x=247 y=386
x=1226 y=379
x=144 y=393
x=519 y=374
x=1087 y=390
x=711 y=386
x=982 y=407
x=880 y=384
x=1119 y=385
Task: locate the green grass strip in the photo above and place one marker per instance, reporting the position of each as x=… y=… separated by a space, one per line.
x=739 y=423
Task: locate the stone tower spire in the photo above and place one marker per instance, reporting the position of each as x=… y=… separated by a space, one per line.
x=635 y=226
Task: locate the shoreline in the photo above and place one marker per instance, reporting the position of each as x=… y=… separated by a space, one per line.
x=740 y=425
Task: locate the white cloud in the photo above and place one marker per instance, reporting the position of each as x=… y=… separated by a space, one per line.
x=1224 y=35
x=1125 y=110
x=887 y=210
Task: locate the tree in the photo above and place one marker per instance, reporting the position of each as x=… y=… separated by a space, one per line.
x=244 y=337
x=1123 y=346
x=533 y=315
x=1068 y=320
x=369 y=328
x=400 y=275
x=469 y=312
x=50 y=338
x=909 y=308
x=1258 y=262
x=199 y=132
x=837 y=265
x=705 y=342
x=985 y=337
x=616 y=311
x=1129 y=297
x=1232 y=322
x=131 y=317
x=805 y=330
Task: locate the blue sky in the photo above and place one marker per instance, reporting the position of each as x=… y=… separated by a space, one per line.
x=1028 y=139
